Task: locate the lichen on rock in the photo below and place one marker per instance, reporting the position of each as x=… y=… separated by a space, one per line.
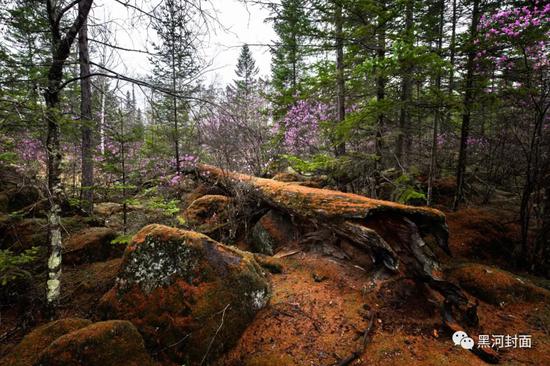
x=153 y=264
x=178 y=286
x=272 y=231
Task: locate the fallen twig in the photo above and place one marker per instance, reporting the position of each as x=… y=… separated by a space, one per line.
x=215 y=334
x=286 y=254
x=355 y=354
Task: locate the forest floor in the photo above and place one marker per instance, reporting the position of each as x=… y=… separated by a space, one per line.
x=321 y=305
x=327 y=296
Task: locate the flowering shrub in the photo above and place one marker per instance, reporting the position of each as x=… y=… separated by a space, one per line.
x=302 y=126
x=516 y=35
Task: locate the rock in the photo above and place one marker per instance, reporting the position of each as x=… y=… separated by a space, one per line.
x=109 y=343
x=26 y=353
x=199 y=191
x=107 y=208
x=20 y=234
x=188 y=295
x=9 y=177
x=272 y=231
x=22 y=197
x=91 y=245
x=496 y=286
x=208 y=213
x=87 y=284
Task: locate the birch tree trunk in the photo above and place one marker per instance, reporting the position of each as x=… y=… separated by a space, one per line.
x=61 y=47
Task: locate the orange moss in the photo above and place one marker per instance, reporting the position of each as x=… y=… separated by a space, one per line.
x=110 y=343
x=199 y=191
x=407 y=329
x=179 y=315
x=496 y=286
x=86 y=284
x=478 y=233
x=26 y=353
x=91 y=245
x=331 y=203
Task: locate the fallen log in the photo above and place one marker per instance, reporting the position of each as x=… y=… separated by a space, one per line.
x=393 y=233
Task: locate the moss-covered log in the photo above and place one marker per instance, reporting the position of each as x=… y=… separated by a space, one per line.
x=393 y=233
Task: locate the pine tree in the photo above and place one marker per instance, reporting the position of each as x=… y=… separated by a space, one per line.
x=176 y=64
x=288 y=61
x=246 y=71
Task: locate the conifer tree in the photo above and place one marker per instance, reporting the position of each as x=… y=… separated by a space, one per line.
x=176 y=62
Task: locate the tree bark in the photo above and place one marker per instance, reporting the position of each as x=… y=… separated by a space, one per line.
x=437 y=114
x=86 y=122
x=452 y=47
x=467 y=109
x=404 y=133
x=175 y=99
x=380 y=91
x=340 y=148
x=61 y=47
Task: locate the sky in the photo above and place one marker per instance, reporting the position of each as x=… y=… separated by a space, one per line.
x=235 y=25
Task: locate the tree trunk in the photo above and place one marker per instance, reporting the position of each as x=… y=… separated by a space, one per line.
x=541 y=253
x=404 y=133
x=86 y=122
x=340 y=148
x=102 y=118
x=437 y=114
x=452 y=47
x=175 y=99
x=467 y=109
x=380 y=93
x=123 y=168
x=61 y=47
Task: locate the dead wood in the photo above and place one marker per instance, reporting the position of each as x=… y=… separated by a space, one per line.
x=393 y=233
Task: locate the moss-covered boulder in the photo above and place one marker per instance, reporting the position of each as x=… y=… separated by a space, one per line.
x=272 y=231
x=109 y=343
x=19 y=234
x=208 y=214
x=91 y=245
x=199 y=191
x=496 y=286
x=26 y=353
x=189 y=296
x=107 y=208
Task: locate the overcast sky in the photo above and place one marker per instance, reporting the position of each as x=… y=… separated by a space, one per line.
x=237 y=24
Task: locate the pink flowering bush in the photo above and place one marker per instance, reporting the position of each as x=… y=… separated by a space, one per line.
x=516 y=37
x=302 y=126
